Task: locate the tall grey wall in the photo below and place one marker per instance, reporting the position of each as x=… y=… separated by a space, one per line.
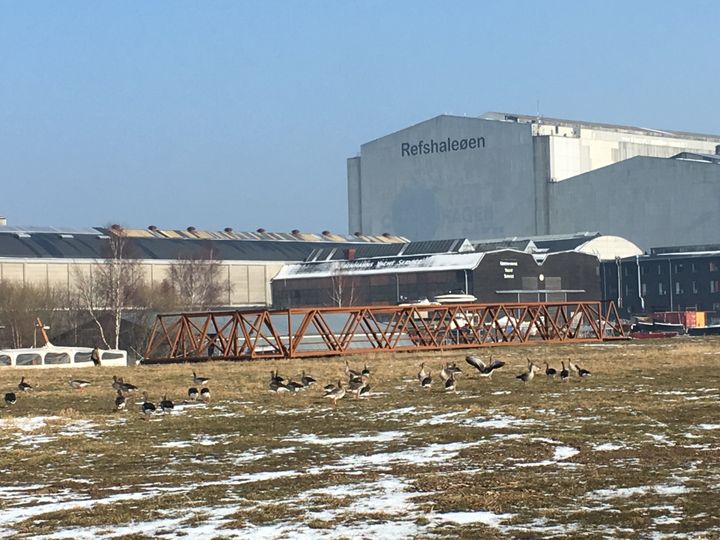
x=651 y=201
x=446 y=177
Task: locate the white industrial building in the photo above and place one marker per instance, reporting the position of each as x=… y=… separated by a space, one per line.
x=503 y=175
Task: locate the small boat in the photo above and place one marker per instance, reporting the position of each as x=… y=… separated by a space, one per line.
x=55 y=356
x=711 y=330
x=459 y=298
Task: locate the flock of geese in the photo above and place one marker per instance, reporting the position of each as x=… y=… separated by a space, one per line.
x=357 y=383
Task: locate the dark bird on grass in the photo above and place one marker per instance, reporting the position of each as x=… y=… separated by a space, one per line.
x=329 y=388
x=307 y=380
x=356 y=383
x=23 y=386
x=126 y=386
x=529 y=374
x=426 y=381
x=550 y=372
x=582 y=373
x=363 y=391
x=564 y=373
x=119 y=401
x=200 y=380
x=295 y=386
x=10 y=398
x=450 y=383
x=78 y=384
x=365 y=371
x=422 y=373
x=277 y=386
x=166 y=404
x=193 y=393
x=275 y=377
x=445 y=372
x=205 y=393
x=486 y=370
x=147 y=407
x=336 y=393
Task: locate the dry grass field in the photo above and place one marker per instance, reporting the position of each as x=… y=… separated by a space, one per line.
x=633 y=451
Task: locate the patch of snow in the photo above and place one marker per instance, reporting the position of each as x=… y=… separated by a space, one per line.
x=609 y=447
x=384 y=436
x=447 y=418
x=490 y=519
x=708 y=426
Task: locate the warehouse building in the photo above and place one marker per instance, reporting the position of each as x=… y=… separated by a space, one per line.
x=666 y=279
x=503 y=175
x=57 y=257
x=553 y=268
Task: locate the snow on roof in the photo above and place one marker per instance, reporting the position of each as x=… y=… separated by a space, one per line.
x=428 y=263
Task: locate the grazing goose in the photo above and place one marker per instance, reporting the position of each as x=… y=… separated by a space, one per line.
x=450 y=383
x=78 y=384
x=147 y=407
x=583 y=373
x=550 y=372
x=422 y=373
x=10 y=398
x=205 y=393
x=486 y=370
x=193 y=393
x=336 y=393
x=365 y=371
x=126 y=386
x=278 y=386
x=307 y=380
x=200 y=380
x=564 y=373
x=119 y=401
x=166 y=405
x=294 y=386
x=23 y=386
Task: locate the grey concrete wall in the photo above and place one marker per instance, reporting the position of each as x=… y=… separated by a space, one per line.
x=651 y=201
x=473 y=192
x=541 y=156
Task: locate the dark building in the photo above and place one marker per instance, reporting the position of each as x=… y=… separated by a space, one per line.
x=666 y=279
x=494 y=276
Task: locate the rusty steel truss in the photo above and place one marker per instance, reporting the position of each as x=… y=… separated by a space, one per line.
x=314 y=332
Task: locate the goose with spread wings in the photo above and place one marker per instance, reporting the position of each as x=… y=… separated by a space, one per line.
x=486 y=370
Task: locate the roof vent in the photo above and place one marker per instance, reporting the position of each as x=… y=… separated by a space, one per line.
x=228 y=230
x=357 y=233
x=191 y=229
x=152 y=228
x=261 y=230
x=295 y=232
x=386 y=234
x=326 y=233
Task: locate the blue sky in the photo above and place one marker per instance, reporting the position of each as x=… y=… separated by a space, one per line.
x=242 y=114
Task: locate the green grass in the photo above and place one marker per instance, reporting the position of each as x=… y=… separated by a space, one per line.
x=630 y=452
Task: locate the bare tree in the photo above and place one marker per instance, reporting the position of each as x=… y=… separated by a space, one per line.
x=197 y=281
x=342 y=291
x=20 y=307
x=111 y=286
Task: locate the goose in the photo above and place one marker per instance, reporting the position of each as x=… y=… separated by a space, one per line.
x=529 y=374
x=422 y=373
x=445 y=372
x=486 y=370
x=295 y=386
x=205 y=393
x=78 y=384
x=550 y=372
x=193 y=393
x=564 y=373
x=119 y=401
x=10 y=398
x=117 y=384
x=363 y=391
x=23 y=386
x=147 y=407
x=426 y=381
x=450 y=383
x=275 y=377
x=307 y=380
x=583 y=373
x=336 y=393
x=278 y=387
x=329 y=388
x=126 y=386
x=365 y=371
x=166 y=405
x=200 y=380
x=356 y=383
x=452 y=368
